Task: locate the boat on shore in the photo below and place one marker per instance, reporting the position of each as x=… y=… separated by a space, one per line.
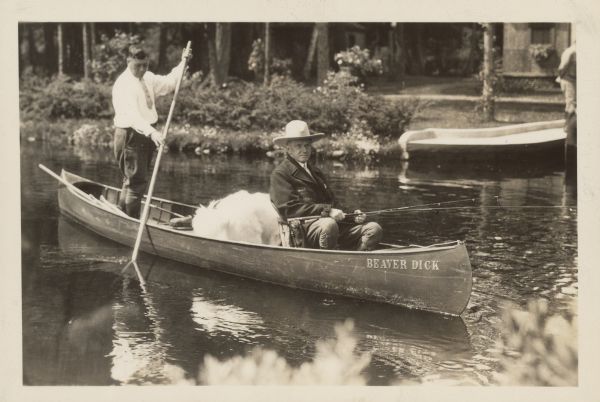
x=545 y=139
x=434 y=278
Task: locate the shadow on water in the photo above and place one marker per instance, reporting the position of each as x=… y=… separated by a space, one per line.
x=188 y=311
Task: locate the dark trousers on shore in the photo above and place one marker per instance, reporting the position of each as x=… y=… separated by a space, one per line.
x=134 y=153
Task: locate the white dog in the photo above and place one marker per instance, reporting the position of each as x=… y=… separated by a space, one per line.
x=240 y=216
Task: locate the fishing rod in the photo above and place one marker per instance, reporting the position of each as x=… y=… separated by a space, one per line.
x=388 y=210
x=495 y=207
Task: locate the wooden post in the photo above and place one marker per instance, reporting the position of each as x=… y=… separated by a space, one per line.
x=488 y=72
x=267 y=76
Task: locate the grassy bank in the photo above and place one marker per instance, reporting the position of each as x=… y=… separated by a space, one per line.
x=446 y=114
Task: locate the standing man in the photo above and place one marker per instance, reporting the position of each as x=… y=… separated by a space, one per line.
x=136 y=137
x=567 y=73
x=299 y=188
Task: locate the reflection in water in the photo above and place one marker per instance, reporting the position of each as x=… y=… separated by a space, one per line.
x=139 y=353
x=87 y=322
x=213 y=318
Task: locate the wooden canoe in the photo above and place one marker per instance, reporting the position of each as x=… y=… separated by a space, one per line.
x=505 y=142
x=434 y=278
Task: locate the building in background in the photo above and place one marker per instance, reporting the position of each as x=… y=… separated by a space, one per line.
x=532 y=50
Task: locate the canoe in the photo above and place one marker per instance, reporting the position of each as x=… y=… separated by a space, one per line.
x=435 y=278
x=546 y=139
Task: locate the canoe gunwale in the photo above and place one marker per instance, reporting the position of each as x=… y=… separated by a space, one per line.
x=166 y=228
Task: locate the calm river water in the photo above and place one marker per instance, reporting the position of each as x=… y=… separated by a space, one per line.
x=87 y=322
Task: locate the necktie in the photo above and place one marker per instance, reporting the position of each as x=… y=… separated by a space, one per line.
x=305 y=166
x=147 y=93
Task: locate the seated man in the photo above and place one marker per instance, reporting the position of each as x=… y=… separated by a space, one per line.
x=299 y=189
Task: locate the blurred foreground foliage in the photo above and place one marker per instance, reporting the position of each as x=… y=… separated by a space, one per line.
x=538 y=347
x=335 y=363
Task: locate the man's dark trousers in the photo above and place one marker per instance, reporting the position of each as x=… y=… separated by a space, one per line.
x=134 y=153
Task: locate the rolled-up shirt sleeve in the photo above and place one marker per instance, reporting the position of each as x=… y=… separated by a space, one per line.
x=127 y=112
x=164 y=84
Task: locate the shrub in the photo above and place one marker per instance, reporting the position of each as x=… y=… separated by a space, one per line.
x=213 y=140
x=89 y=134
x=359 y=62
x=538 y=347
x=541 y=53
x=357 y=144
x=335 y=363
x=65 y=98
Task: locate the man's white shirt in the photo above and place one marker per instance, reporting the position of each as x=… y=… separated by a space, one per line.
x=129 y=99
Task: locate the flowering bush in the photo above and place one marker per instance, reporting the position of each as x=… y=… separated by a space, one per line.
x=359 y=62
x=358 y=143
x=541 y=52
x=256 y=62
x=92 y=134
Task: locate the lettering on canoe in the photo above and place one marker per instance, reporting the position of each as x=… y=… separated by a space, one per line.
x=399 y=264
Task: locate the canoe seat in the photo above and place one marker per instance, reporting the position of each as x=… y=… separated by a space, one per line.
x=291 y=233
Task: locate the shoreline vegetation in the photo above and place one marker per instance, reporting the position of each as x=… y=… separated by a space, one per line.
x=242 y=117
x=237 y=117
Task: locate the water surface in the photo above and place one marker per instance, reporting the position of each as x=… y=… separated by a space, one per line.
x=85 y=321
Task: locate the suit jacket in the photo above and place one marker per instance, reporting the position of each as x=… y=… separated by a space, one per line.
x=295 y=193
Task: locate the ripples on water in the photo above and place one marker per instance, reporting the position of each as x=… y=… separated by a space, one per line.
x=88 y=322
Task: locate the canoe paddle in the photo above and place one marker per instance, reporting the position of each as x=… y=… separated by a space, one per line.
x=144 y=216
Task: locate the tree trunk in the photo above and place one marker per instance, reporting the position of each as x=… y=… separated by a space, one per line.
x=401 y=51
x=92 y=40
x=488 y=72
x=20 y=41
x=86 y=51
x=162 y=47
x=311 y=52
x=61 y=50
x=468 y=65
x=267 y=76
x=223 y=47
x=31 y=48
x=49 y=49
x=322 y=52
x=219 y=35
x=419 y=62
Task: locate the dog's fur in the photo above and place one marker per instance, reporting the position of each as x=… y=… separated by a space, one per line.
x=240 y=216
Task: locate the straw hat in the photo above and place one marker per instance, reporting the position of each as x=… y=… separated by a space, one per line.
x=297 y=130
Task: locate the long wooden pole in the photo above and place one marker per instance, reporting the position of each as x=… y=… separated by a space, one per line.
x=144 y=216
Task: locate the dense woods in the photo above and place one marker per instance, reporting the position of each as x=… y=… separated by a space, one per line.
x=222 y=50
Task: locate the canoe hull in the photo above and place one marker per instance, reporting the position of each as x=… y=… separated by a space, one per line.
x=545 y=150
x=545 y=139
x=436 y=279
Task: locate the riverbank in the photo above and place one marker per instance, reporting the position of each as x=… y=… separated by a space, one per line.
x=356 y=144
